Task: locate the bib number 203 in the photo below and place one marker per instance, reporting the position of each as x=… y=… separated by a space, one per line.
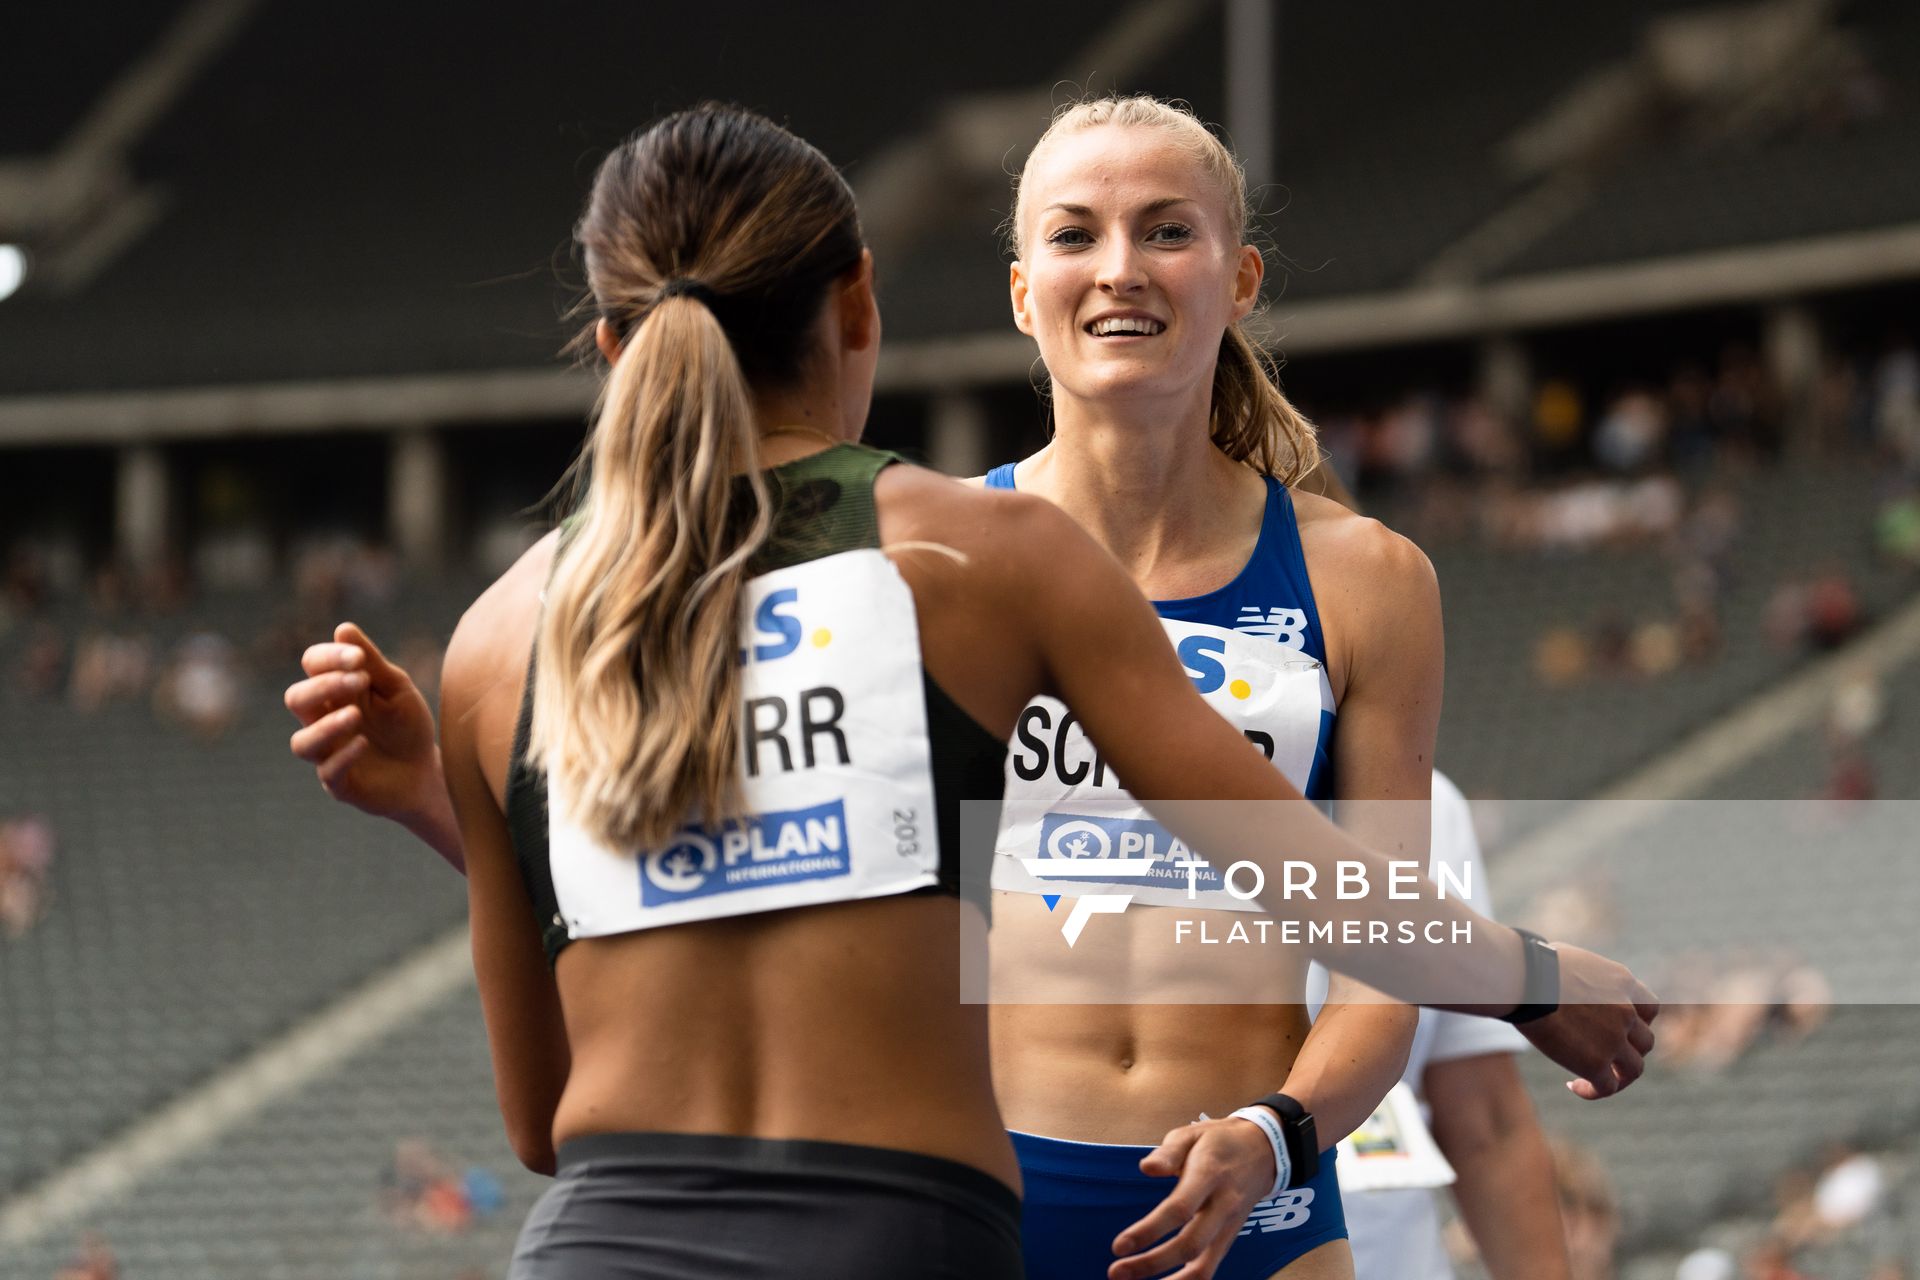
x=906 y=832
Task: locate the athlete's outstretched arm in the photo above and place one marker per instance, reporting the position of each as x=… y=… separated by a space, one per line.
x=369 y=734
x=1352 y=1057
x=1168 y=746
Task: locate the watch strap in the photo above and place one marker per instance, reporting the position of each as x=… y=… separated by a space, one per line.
x=1540 y=994
x=1302 y=1140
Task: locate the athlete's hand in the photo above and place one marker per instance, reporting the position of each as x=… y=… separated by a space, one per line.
x=1225 y=1167
x=1603 y=1029
x=366 y=729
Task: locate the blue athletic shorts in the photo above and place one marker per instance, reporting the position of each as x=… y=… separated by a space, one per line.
x=1080 y=1195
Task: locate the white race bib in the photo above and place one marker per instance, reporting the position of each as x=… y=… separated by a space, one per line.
x=1393 y=1149
x=838 y=787
x=1063 y=804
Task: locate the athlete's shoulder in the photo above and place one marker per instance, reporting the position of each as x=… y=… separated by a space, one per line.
x=495 y=634
x=1007 y=537
x=976 y=508
x=1351 y=544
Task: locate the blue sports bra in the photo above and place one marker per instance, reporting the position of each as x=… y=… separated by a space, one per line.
x=1270 y=599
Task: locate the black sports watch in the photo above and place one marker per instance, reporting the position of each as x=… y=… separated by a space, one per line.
x=1303 y=1144
x=1541 y=993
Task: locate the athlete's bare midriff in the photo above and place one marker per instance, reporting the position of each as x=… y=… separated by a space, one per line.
x=1104 y=1071
x=816 y=1023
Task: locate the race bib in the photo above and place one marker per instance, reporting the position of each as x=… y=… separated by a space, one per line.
x=1393 y=1149
x=838 y=785
x=1066 y=819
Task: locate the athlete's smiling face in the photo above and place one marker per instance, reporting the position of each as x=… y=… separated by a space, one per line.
x=1130 y=269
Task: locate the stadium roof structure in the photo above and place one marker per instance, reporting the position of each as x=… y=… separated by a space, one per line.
x=365 y=189
x=246 y=194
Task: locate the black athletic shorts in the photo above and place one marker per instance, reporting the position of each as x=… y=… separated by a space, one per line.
x=663 y=1206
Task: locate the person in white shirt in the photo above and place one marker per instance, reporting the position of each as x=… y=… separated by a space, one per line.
x=1464 y=1073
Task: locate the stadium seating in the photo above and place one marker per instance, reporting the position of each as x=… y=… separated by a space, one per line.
x=204 y=896
x=296 y=1192
x=1504 y=734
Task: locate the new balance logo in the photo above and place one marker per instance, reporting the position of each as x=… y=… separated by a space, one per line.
x=1282 y=626
x=1285 y=1211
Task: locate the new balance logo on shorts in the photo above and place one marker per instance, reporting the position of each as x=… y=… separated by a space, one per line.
x=1283 y=1212
x=1282 y=626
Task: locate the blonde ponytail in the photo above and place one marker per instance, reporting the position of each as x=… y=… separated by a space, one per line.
x=637 y=684
x=639 y=653
x=1253 y=421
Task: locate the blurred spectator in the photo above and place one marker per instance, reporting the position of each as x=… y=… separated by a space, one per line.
x=336 y=574
x=1690 y=394
x=1557 y=419
x=108 y=668
x=1589 y=1211
x=1708 y=1264
x=24 y=584
x=420 y=1191
x=43 y=661
x=1716 y=1007
x=1481 y=439
x=1850 y=776
x=1700 y=635
x=26 y=855
x=1744 y=408
x=1838 y=416
x=201 y=688
x=1896 y=530
x=1654 y=649
x=1834 y=612
x=1822 y=614
x=1852 y=1190
x=1896 y=403
x=1785 y=618
x=1561 y=658
x=1632 y=434
x=94 y=1261
x=1711 y=531
x=1771 y=1260
x=484 y=1193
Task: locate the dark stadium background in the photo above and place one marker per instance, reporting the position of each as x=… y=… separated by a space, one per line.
x=1610 y=306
